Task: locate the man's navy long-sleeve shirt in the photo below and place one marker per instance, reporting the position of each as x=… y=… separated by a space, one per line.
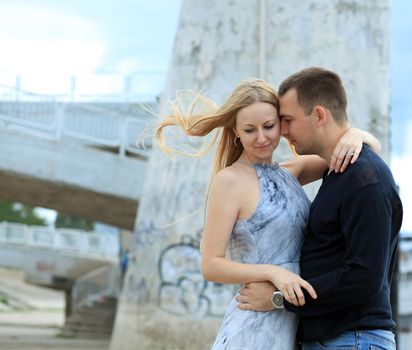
x=349 y=251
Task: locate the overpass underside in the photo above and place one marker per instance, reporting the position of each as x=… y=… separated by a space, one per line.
x=70 y=178
x=76 y=201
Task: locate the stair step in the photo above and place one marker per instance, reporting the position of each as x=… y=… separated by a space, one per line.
x=84 y=334
x=90 y=322
x=98 y=307
x=99 y=313
x=89 y=327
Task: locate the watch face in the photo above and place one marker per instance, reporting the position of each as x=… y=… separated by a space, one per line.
x=277 y=300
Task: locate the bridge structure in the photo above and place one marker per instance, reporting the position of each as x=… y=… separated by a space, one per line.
x=81 y=158
x=61 y=258
x=85 y=265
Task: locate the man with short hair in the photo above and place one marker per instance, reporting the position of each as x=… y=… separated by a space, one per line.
x=349 y=252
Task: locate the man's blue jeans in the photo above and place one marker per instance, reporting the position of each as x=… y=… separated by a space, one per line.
x=356 y=340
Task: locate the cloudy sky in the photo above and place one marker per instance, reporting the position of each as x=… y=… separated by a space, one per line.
x=401 y=105
x=136 y=36
x=85 y=35
x=66 y=38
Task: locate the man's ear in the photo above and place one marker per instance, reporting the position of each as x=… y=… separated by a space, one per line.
x=321 y=115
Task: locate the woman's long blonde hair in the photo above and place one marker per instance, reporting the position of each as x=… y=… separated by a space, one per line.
x=211 y=117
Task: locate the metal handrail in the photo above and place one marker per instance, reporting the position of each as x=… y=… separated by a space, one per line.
x=94 y=285
x=60 y=124
x=124 y=87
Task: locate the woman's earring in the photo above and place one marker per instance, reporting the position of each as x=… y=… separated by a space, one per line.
x=236 y=141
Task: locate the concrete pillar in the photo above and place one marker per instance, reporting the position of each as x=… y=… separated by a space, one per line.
x=165 y=303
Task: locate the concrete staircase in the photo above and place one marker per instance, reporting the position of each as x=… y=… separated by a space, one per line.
x=94 y=321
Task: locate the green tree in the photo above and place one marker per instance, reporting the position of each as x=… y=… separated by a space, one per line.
x=68 y=221
x=20 y=213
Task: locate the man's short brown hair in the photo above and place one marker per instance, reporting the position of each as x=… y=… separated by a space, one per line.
x=318 y=86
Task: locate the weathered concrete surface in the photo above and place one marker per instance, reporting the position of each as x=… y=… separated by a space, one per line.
x=70 y=178
x=160 y=330
x=348 y=37
x=215 y=48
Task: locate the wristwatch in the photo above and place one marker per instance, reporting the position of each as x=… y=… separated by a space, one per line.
x=277 y=299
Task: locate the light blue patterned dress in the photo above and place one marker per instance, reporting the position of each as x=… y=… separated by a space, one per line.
x=272 y=235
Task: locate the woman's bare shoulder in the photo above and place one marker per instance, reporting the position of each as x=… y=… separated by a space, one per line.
x=232 y=177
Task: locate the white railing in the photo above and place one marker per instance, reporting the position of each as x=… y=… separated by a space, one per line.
x=62 y=239
x=96 y=284
x=43 y=116
x=96 y=86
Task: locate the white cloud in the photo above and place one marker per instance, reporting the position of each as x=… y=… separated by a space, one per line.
x=401 y=165
x=35 y=39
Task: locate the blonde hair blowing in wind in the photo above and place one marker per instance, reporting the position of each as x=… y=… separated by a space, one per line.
x=203 y=116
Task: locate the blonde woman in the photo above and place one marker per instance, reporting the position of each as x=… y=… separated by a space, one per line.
x=257 y=209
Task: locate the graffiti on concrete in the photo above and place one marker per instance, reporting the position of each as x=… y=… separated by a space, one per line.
x=147 y=233
x=135 y=287
x=182 y=288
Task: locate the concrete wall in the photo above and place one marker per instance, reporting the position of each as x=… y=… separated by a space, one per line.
x=165 y=303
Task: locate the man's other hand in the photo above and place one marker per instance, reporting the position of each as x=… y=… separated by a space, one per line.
x=256 y=296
